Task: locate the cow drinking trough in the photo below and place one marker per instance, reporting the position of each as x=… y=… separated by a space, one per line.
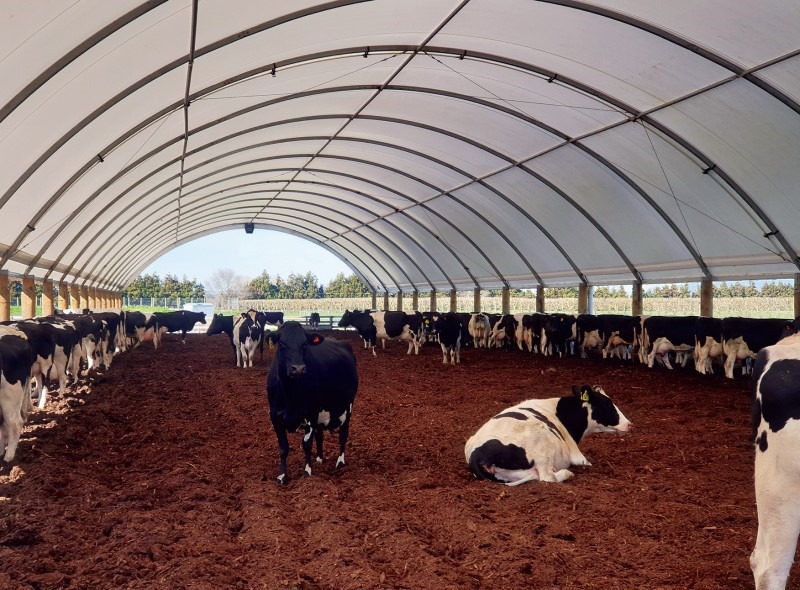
x=161 y=474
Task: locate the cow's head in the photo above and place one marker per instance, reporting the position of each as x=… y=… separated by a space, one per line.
x=345 y=321
x=604 y=416
x=293 y=342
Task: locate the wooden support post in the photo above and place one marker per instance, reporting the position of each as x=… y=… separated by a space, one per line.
x=5 y=297
x=84 y=297
x=28 y=298
x=415 y=301
x=506 y=300
x=63 y=296
x=583 y=298
x=797 y=295
x=453 y=300
x=636 y=298
x=476 y=300
x=48 y=304
x=540 y=299
x=707 y=298
x=74 y=296
x=386 y=301
x=399 y=301
x=93 y=298
x=433 y=300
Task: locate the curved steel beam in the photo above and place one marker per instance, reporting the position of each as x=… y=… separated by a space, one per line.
x=229 y=216
x=124 y=285
x=300 y=59
x=688 y=44
x=152 y=204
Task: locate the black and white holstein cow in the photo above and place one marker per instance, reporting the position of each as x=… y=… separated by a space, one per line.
x=480 y=329
x=538 y=439
x=449 y=327
x=407 y=327
x=311 y=385
x=620 y=335
x=182 y=321
x=140 y=327
x=589 y=333
x=776 y=435
x=742 y=338
x=558 y=334
x=504 y=332
x=662 y=335
x=248 y=334
x=16 y=361
x=707 y=343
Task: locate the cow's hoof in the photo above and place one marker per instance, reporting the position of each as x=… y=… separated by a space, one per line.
x=340 y=462
x=307 y=471
x=319 y=459
x=282 y=479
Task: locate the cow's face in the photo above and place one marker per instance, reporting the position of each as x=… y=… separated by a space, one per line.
x=604 y=416
x=202 y=317
x=293 y=344
x=345 y=321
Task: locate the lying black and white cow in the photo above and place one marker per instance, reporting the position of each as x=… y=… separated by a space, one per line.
x=311 y=385
x=538 y=438
x=742 y=338
x=449 y=327
x=16 y=360
x=182 y=321
x=776 y=435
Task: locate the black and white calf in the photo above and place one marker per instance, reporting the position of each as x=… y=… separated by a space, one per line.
x=776 y=435
x=538 y=438
x=311 y=385
x=449 y=327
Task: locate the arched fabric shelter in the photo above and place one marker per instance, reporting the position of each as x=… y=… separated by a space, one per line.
x=430 y=144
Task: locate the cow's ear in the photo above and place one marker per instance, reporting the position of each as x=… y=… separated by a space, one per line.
x=585 y=390
x=314 y=338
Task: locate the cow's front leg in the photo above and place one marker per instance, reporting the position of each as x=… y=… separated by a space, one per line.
x=308 y=440
x=444 y=354
x=283 y=444
x=344 y=429
x=318 y=434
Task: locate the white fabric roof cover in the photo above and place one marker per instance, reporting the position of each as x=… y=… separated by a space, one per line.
x=430 y=144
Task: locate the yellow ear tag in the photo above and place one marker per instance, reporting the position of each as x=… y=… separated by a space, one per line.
x=585 y=396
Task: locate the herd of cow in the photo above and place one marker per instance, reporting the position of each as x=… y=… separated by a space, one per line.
x=60 y=348
x=651 y=339
x=312 y=384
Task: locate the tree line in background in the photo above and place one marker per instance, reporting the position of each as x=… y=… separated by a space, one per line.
x=227 y=283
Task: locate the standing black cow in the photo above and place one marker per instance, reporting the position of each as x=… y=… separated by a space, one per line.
x=449 y=328
x=222 y=324
x=364 y=324
x=179 y=321
x=313 y=320
x=312 y=384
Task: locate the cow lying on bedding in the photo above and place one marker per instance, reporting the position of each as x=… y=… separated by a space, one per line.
x=538 y=438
